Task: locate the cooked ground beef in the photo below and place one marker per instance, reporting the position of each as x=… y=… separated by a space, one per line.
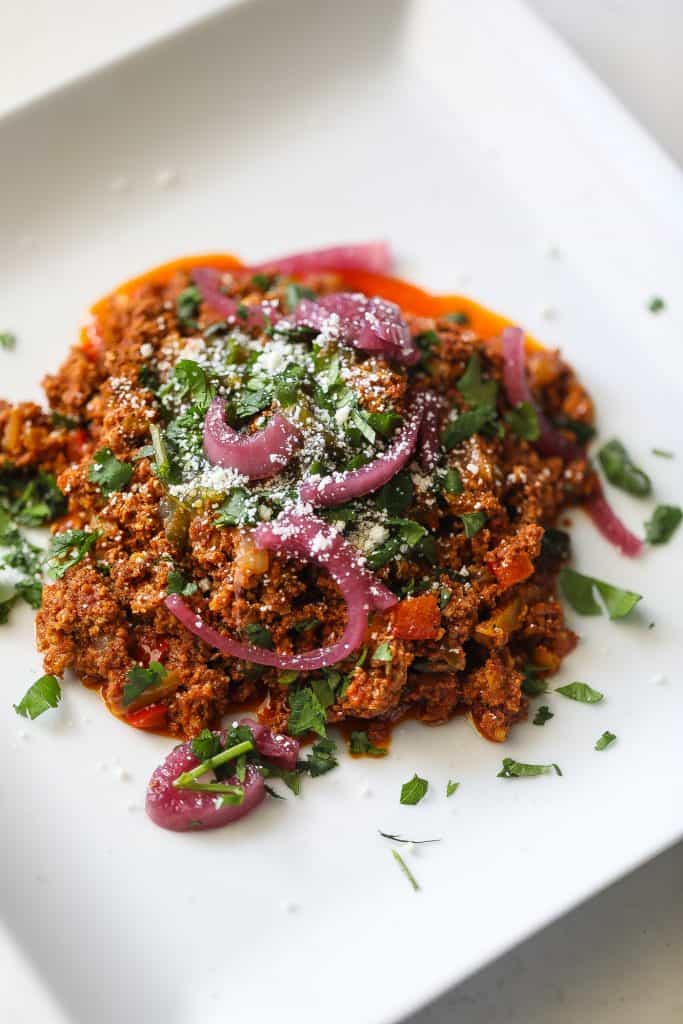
x=475 y=611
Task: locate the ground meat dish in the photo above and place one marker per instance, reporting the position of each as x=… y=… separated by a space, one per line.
x=471 y=548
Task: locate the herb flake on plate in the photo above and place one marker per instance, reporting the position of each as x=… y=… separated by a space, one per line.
x=581 y=692
x=543 y=715
x=45 y=693
x=664 y=522
x=512 y=769
x=414 y=790
x=405 y=869
x=578 y=590
x=621 y=471
x=605 y=740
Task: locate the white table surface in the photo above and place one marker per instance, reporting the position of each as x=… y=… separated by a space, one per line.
x=618 y=959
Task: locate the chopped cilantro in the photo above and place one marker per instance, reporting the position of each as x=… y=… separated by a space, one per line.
x=262 y=281
x=323 y=688
x=8 y=340
x=190 y=380
x=452 y=481
x=620 y=470
x=405 y=869
x=656 y=304
x=177 y=584
x=207 y=744
x=473 y=522
x=474 y=390
x=581 y=692
x=359 y=743
x=605 y=740
x=451 y=787
x=287 y=677
x=31 y=499
x=414 y=790
x=108 y=473
x=543 y=715
x=523 y=421
x=396 y=496
x=295 y=293
x=665 y=521
x=465 y=425
x=141 y=679
x=45 y=693
x=237 y=509
x=517 y=770
x=663 y=453
x=578 y=590
x=384 y=423
x=306 y=713
x=187 y=307
x=68 y=549
x=162 y=462
x=402 y=839
x=533 y=684
x=322 y=757
x=305 y=625
x=258 y=635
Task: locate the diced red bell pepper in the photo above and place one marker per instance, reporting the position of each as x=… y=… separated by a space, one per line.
x=512 y=569
x=155 y=716
x=417 y=618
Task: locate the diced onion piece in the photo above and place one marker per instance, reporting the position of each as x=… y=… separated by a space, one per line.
x=184 y=810
x=611 y=527
x=372 y=256
x=368 y=324
x=257 y=456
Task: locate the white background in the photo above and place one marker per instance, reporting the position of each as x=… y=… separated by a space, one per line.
x=617 y=959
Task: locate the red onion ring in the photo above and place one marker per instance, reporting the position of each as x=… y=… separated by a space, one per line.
x=550 y=440
x=183 y=810
x=375 y=257
x=368 y=324
x=275 y=746
x=611 y=527
x=208 y=281
x=257 y=456
x=309 y=538
x=338 y=488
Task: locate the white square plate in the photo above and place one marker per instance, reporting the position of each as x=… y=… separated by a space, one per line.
x=468 y=136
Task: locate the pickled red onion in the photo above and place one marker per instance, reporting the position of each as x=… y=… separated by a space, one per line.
x=373 y=256
x=368 y=324
x=257 y=456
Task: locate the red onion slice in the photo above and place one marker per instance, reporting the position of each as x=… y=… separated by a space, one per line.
x=373 y=256
x=611 y=527
x=257 y=456
x=275 y=746
x=208 y=281
x=550 y=441
x=338 y=488
x=183 y=810
x=313 y=540
x=429 y=439
x=368 y=324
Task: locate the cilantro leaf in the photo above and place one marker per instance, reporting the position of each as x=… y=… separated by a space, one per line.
x=141 y=679
x=68 y=549
x=177 y=584
x=207 y=744
x=108 y=473
x=238 y=509
x=656 y=304
x=452 y=482
x=465 y=425
x=473 y=522
x=451 y=787
x=581 y=692
x=8 y=340
x=384 y=423
x=192 y=380
x=306 y=713
x=517 y=770
x=578 y=590
x=322 y=758
x=359 y=743
x=323 y=688
x=605 y=740
x=533 y=684
x=396 y=495
x=473 y=389
x=665 y=521
x=414 y=790
x=258 y=635
x=187 y=307
x=543 y=715
x=45 y=693
x=620 y=471
x=523 y=421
